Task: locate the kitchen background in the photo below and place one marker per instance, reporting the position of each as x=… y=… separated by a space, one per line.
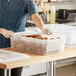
x=64 y=6
x=65 y=12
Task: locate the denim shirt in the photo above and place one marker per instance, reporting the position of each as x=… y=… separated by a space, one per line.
x=13 y=16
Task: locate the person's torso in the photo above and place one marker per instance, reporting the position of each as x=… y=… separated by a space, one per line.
x=12 y=17
x=12 y=14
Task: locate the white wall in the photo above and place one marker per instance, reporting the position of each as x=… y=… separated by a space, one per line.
x=64 y=5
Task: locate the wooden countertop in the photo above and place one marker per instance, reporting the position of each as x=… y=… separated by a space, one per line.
x=35 y=59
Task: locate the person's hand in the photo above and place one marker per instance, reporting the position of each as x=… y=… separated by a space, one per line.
x=6 y=33
x=46 y=31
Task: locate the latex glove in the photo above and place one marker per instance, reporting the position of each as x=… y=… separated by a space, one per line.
x=47 y=31
x=6 y=33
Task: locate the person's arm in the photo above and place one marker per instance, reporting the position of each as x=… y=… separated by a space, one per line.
x=35 y=17
x=39 y=23
x=6 y=33
x=37 y=20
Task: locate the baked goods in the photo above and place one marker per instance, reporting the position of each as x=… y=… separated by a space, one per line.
x=43 y=37
x=38 y=43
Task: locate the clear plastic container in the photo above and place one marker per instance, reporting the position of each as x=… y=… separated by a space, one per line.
x=38 y=46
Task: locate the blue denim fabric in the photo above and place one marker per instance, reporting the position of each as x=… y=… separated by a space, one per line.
x=13 y=16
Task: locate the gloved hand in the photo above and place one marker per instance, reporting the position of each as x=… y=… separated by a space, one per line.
x=46 y=31
x=6 y=33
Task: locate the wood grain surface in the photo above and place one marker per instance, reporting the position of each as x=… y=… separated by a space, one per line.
x=35 y=58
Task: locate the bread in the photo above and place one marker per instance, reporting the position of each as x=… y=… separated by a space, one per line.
x=43 y=37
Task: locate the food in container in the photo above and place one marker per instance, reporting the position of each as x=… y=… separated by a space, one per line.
x=38 y=43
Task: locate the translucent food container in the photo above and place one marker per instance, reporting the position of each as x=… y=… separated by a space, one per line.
x=54 y=42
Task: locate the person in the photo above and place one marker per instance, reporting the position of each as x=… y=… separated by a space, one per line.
x=12 y=19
